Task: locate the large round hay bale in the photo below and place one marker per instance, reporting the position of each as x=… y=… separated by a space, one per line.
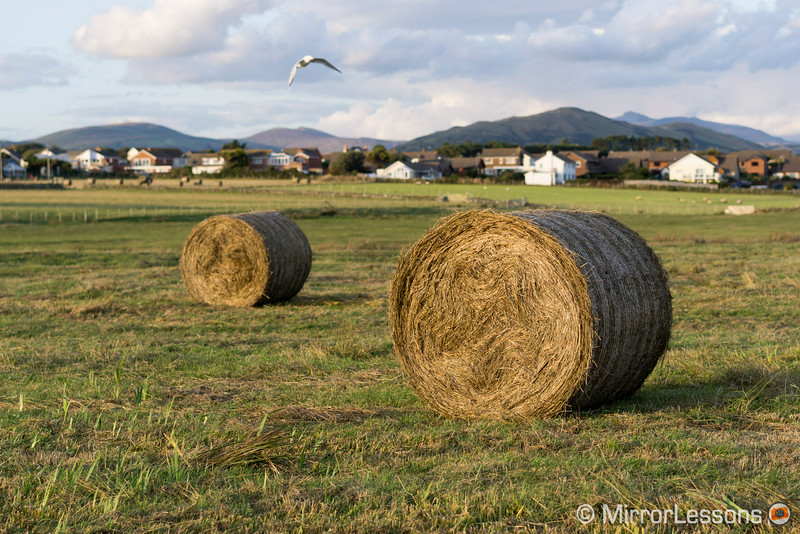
x=247 y=259
x=530 y=314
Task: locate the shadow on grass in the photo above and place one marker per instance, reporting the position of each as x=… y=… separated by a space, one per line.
x=334 y=414
x=328 y=299
x=734 y=392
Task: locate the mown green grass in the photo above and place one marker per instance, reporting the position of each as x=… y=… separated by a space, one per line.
x=114 y=387
x=166 y=200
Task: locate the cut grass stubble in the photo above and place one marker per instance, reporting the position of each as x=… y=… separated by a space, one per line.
x=108 y=369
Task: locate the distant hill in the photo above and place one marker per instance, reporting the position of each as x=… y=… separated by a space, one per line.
x=138 y=134
x=575 y=125
x=743 y=132
x=141 y=134
x=307 y=137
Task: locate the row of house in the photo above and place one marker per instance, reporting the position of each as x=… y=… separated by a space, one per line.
x=539 y=169
x=547 y=169
x=553 y=169
x=711 y=167
x=163 y=160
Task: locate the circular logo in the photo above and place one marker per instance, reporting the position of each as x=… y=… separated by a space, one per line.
x=779 y=514
x=585 y=513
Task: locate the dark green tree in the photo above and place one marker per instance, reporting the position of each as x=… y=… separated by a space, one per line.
x=467 y=149
x=630 y=171
x=601 y=144
x=348 y=163
x=380 y=157
x=234 y=145
x=499 y=144
x=237 y=158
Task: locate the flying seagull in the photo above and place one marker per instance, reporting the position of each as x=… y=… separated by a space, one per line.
x=307 y=60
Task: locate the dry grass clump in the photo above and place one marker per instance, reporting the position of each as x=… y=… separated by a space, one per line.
x=262 y=449
x=529 y=314
x=247 y=259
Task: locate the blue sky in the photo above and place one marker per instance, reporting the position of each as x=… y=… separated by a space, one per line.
x=219 y=68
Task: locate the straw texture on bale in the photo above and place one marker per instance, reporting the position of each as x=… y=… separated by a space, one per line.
x=247 y=259
x=529 y=314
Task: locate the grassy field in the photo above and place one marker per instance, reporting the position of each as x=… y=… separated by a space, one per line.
x=127 y=407
x=104 y=202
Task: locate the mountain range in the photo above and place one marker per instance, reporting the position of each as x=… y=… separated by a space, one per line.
x=307 y=137
x=579 y=126
x=573 y=124
x=743 y=132
x=141 y=134
x=137 y=134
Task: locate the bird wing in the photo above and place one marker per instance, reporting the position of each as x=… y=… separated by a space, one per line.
x=326 y=63
x=291 y=75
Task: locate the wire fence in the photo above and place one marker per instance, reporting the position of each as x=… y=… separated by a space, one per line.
x=98 y=213
x=97 y=204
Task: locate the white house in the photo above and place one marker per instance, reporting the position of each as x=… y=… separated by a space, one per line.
x=550 y=169
x=10 y=164
x=693 y=168
x=496 y=161
x=11 y=169
x=206 y=162
x=790 y=169
x=279 y=159
x=49 y=154
x=402 y=170
x=157 y=160
x=95 y=159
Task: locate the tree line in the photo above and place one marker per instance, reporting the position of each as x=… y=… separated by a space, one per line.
x=469 y=149
x=647 y=142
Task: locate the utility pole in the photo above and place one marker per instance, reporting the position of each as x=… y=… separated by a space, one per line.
x=1 y=162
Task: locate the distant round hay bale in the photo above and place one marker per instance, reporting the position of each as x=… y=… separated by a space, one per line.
x=247 y=259
x=530 y=314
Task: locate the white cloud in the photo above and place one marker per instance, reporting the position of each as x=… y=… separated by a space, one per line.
x=410 y=68
x=258 y=51
x=170 y=28
x=31 y=69
x=431 y=106
x=640 y=31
